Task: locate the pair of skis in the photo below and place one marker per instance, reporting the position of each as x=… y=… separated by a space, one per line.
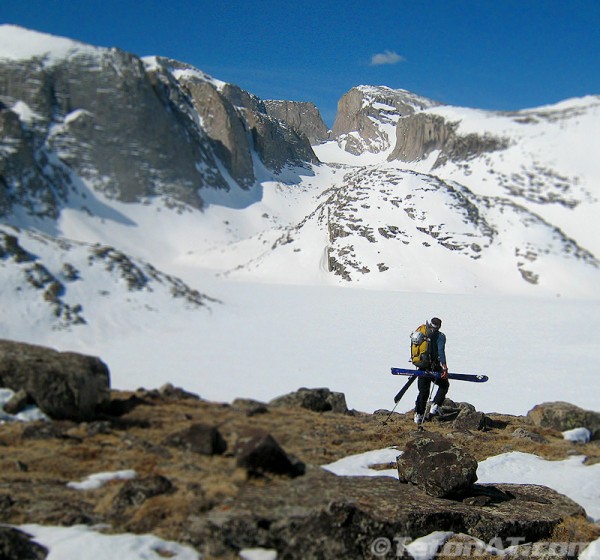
x=434 y=376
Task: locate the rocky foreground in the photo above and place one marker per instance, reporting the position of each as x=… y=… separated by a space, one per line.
x=227 y=477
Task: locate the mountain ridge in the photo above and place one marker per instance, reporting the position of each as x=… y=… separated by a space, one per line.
x=404 y=193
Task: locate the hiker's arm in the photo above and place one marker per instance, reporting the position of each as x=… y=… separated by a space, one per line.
x=442 y=348
x=442 y=355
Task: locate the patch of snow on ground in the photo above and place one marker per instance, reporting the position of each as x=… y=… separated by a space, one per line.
x=95 y=481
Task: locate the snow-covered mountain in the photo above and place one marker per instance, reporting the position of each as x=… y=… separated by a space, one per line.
x=423 y=197
x=176 y=171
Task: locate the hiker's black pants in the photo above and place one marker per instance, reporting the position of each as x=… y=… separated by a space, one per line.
x=424 y=385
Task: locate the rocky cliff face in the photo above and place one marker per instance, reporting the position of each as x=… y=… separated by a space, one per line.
x=367 y=116
x=420 y=134
x=132 y=129
x=239 y=123
x=102 y=118
x=380 y=119
x=303 y=117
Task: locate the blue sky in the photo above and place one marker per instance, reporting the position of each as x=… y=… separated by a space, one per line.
x=492 y=54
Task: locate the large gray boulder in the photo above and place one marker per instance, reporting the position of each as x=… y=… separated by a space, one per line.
x=436 y=465
x=564 y=416
x=64 y=385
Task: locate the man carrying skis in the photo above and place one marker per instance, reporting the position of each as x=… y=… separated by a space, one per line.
x=438 y=364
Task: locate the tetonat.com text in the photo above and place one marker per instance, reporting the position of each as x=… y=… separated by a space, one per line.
x=383 y=547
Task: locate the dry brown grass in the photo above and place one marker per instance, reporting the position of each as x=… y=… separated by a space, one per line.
x=34 y=472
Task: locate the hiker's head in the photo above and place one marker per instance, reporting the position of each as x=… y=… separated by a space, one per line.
x=436 y=323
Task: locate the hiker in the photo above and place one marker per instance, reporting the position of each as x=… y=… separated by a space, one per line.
x=439 y=365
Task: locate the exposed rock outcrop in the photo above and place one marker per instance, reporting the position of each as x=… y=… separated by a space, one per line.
x=326 y=516
x=224 y=126
x=64 y=385
x=52 y=280
x=253 y=495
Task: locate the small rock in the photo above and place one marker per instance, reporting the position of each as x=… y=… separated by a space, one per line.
x=478 y=501
x=45 y=430
x=18 y=402
x=18 y=544
x=199 y=438
x=259 y=453
x=101 y=427
x=170 y=392
x=468 y=419
x=250 y=407
x=525 y=434
x=136 y=491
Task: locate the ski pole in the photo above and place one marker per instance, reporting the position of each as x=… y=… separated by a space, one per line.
x=404 y=389
x=390 y=414
x=399 y=396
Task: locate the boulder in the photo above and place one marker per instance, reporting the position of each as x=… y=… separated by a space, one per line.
x=470 y=420
x=318 y=400
x=436 y=465
x=565 y=416
x=329 y=516
x=17 y=403
x=136 y=491
x=259 y=453
x=64 y=385
x=199 y=438
x=250 y=407
x=17 y=544
x=526 y=434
